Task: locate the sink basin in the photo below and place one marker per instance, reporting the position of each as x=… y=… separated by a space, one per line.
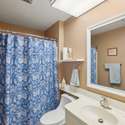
x=98 y=116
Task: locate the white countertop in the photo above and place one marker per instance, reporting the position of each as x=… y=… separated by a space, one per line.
x=89 y=98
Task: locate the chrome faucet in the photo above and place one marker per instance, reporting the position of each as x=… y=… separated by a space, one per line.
x=105 y=103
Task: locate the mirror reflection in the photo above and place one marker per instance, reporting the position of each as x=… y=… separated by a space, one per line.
x=108 y=55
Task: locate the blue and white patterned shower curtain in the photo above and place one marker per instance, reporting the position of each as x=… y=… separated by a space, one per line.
x=28 y=79
x=93 y=66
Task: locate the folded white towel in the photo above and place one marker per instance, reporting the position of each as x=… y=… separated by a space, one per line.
x=114 y=73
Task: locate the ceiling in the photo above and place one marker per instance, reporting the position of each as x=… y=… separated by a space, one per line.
x=38 y=15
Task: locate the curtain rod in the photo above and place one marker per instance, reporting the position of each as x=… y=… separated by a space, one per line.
x=27 y=34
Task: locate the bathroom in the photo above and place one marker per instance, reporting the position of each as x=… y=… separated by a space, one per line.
x=62 y=63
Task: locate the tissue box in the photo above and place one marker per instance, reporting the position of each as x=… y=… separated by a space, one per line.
x=67 y=53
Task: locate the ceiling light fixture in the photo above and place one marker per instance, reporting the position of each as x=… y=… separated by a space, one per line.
x=75 y=7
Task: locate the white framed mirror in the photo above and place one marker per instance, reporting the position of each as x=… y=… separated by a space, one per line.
x=106 y=55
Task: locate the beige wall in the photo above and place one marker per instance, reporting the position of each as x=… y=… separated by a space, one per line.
x=53 y=31
x=57 y=31
x=6 y=26
x=75 y=32
x=103 y=41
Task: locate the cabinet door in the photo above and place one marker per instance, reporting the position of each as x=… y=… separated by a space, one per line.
x=72 y=120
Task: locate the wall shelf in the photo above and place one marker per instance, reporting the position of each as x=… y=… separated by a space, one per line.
x=72 y=61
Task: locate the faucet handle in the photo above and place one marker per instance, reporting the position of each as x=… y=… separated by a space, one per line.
x=103 y=97
x=104 y=102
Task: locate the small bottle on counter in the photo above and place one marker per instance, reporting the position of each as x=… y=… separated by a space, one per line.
x=63 y=83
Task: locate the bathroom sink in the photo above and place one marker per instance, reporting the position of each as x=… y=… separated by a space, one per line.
x=98 y=116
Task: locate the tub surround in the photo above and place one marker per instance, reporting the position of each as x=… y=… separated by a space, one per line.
x=91 y=101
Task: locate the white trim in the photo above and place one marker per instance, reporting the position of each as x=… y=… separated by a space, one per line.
x=107 y=89
x=88 y=56
x=107 y=21
x=89 y=30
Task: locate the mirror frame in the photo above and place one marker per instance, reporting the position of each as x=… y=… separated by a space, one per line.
x=89 y=31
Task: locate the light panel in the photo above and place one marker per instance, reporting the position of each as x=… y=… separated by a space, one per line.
x=75 y=7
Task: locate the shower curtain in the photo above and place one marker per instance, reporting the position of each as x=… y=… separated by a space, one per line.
x=93 y=66
x=28 y=79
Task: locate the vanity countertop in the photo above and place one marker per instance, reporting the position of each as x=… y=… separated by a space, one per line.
x=89 y=99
